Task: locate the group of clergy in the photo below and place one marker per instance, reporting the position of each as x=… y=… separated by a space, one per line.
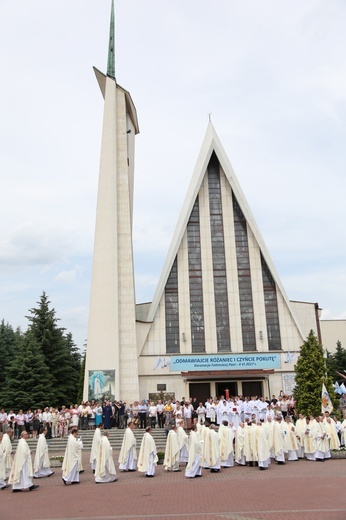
x=310 y=437
x=19 y=471
x=101 y=458
x=253 y=442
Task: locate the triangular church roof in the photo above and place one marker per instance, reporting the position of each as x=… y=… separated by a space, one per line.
x=212 y=143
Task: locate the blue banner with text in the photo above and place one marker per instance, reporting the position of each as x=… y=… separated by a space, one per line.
x=224 y=362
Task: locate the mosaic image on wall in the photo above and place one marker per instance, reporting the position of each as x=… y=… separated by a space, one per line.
x=101 y=385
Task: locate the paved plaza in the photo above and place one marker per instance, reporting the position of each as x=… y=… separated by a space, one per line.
x=309 y=490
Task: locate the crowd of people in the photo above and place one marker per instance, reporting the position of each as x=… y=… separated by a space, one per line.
x=254 y=442
x=217 y=434
x=90 y=414
x=116 y=414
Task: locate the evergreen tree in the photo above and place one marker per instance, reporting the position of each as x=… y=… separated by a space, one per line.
x=311 y=373
x=81 y=380
x=75 y=367
x=332 y=366
x=9 y=343
x=337 y=363
x=28 y=382
x=58 y=352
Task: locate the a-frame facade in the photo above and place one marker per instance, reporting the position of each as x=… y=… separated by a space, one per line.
x=219 y=293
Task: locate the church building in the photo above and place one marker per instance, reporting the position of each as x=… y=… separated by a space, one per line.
x=220 y=319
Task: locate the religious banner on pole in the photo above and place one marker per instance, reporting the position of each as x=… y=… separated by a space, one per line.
x=326 y=401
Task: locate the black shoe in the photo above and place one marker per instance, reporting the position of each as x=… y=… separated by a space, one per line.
x=33 y=487
x=75 y=482
x=5 y=486
x=51 y=474
x=82 y=471
x=280 y=462
x=261 y=468
x=64 y=481
x=93 y=471
x=16 y=490
x=132 y=470
x=196 y=476
x=149 y=476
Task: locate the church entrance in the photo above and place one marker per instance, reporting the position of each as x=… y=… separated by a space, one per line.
x=199 y=390
x=251 y=388
x=221 y=388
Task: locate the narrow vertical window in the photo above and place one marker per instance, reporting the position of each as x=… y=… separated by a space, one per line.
x=195 y=280
x=271 y=308
x=219 y=260
x=244 y=278
x=172 y=311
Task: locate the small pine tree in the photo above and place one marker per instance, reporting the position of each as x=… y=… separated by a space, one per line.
x=28 y=382
x=311 y=373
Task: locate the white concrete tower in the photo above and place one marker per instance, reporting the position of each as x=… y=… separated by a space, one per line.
x=111 y=358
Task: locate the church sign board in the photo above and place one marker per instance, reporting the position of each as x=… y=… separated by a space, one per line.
x=224 y=362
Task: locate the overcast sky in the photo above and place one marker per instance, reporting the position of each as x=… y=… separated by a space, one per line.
x=272 y=73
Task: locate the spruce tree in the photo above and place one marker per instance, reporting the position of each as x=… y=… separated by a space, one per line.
x=9 y=343
x=340 y=361
x=28 y=382
x=59 y=358
x=81 y=380
x=311 y=373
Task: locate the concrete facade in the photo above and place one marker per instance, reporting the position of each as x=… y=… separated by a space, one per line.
x=112 y=340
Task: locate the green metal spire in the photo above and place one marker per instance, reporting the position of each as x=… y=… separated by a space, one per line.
x=111 y=50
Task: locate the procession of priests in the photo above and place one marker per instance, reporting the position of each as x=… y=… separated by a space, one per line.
x=255 y=439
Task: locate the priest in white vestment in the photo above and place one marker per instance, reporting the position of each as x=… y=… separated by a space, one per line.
x=147 y=458
x=41 y=462
x=21 y=472
x=343 y=432
x=226 y=445
x=128 y=453
x=308 y=441
x=291 y=440
x=3 y=484
x=194 y=463
x=330 y=427
x=249 y=443
x=71 y=462
x=300 y=431
x=239 y=445
x=105 y=469
x=172 y=451
x=262 y=445
x=95 y=447
x=212 y=450
x=7 y=448
x=321 y=441
x=279 y=440
x=234 y=413
x=182 y=439
x=269 y=428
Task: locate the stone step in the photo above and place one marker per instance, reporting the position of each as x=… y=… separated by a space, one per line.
x=115 y=438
